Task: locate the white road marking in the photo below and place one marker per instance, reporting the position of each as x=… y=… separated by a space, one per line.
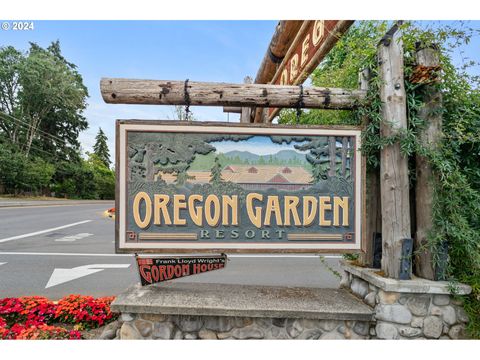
x=2 y=264
x=74 y=237
x=60 y=275
x=131 y=255
x=43 y=231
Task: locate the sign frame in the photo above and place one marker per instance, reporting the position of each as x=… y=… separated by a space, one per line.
x=122 y=126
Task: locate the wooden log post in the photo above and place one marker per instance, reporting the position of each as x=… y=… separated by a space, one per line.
x=165 y=92
x=394 y=184
x=246 y=111
x=373 y=214
x=428 y=63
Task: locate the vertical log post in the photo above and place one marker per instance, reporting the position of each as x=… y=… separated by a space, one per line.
x=427 y=62
x=373 y=213
x=394 y=185
x=246 y=111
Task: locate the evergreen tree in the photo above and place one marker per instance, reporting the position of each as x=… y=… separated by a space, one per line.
x=100 y=149
x=216 y=172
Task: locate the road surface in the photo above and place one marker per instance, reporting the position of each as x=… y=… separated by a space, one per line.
x=59 y=249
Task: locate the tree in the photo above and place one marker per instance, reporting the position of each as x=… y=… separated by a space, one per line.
x=216 y=172
x=42 y=98
x=100 y=149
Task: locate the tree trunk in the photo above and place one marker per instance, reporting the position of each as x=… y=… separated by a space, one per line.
x=164 y=92
x=426 y=181
x=394 y=184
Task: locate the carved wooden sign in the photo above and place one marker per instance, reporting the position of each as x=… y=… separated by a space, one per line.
x=312 y=43
x=214 y=187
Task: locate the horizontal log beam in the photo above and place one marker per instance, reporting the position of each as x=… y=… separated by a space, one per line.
x=232 y=109
x=164 y=92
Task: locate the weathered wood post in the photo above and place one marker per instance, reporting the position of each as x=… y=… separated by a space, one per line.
x=373 y=215
x=428 y=63
x=393 y=165
x=246 y=111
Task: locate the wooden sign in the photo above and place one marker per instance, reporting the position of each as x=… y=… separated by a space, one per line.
x=215 y=187
x=154 y=270
x=312 y=43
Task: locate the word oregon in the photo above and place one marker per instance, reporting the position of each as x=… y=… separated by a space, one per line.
x=223 y=210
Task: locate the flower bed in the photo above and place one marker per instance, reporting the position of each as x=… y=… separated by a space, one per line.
x=36 y=317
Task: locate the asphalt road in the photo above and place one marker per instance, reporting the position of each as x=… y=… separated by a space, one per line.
x=55 y=250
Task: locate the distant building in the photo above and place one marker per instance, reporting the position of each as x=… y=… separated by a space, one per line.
x=255 y=177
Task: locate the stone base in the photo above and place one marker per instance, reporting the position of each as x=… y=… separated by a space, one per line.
x=217 y=311
x=408 y=309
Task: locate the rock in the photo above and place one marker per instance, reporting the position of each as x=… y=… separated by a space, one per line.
x=361 y=328
x=264 y=322
x=248 y=332
x=219 y=323
x=359 y=287
x=189 y=323
x=207 y=335
x=457 y=332
x=341 y=329
x=387 y=297
x=164 y=330
x=178 y=335
x=110 y=331
x=403 y=299
x=370 y=299
x=457 y=301
x=417 y=322
x=436 y=311
x=461 y=315
x=328 y=325
x=294 y=328
x=386 y=331
x=432 y=327
x=127 y=317
x=418 y=305
x=445 y=329
x=275 y=332
x=310 y=323
x=280 y=322
x=154 y=317
x=225 y=335
x=345 y=281
x=312 y=334
x=144 y=327
x=449 y=315
x=410 y=332
x=128 y=332
x=441 y=300
x=190 y=336
x=393 y=313
x=373 y=332
x=333 y=335
x=242 y=321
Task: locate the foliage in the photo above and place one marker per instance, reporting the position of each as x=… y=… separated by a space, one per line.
x=456 y=204
x=216 y=172
x=100 y=149
x=35 y=317
x=42 y=97
x=21 y=174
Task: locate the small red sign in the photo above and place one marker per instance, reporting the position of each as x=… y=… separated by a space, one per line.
x=154 y=270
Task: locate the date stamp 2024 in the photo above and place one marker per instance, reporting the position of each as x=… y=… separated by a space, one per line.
x=18 y=25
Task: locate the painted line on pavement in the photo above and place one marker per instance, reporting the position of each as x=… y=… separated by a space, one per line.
x=71 y=238
x=132 y=255
x=43 y=231
x=3 y=263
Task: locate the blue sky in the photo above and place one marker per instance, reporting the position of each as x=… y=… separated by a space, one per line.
x=172 y=50
x=260 y=145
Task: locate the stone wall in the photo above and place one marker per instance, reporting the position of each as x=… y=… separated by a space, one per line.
x=408 y=309
x=156 y=326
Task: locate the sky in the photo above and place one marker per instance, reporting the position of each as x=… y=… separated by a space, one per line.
x=218 y=51
x=260 y=145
